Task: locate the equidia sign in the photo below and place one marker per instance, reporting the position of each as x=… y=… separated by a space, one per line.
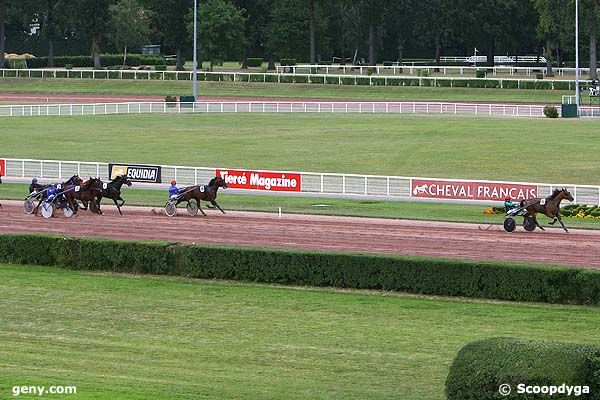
x=258 y=180
x=459 y=190
x=136 y=173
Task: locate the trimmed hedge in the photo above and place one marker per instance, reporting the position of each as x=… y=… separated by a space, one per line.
x=399 y=273
x=106 y=59
x=481 y=367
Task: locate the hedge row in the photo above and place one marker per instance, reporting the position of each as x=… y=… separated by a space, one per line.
x=481 y=367
x=107 y=59
x=398 y=273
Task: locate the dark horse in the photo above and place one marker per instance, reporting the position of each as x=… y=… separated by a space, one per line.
x=550 y=206
x=74 y=180
x=204 y=193
x=113 y=192
x=88 y=191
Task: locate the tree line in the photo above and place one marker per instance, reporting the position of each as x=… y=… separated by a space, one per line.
x=306 y=30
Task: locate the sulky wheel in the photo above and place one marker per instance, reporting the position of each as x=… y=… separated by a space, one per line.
x=170 y=209
x=529 y=223
x=28 y=206
x=68 y=212
x=509 y=224
x=192 y=208
x=47 y=210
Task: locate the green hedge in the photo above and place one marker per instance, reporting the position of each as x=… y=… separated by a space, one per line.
x=481 y=367
x=106 y=59
x=398 y=273
x=254 y=62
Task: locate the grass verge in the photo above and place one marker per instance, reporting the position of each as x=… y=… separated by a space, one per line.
x=448 y=147
x=129 y=337
x=231 y=89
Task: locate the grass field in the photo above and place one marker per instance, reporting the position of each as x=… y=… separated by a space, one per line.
x=324 y=206
x=177 y=88
x=541 y=150
x=126 y=337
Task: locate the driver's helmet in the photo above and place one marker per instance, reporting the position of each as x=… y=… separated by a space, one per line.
x=173 y=182
x=34 y=180
x=507 y=199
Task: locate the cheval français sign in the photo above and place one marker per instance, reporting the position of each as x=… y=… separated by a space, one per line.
x=258 y=180
x=2 y=167
x=438 y=189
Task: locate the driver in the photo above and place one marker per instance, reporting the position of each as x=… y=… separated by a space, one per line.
x=509 y=205
x=174 y=191
x=51 y=191
x=34 y=186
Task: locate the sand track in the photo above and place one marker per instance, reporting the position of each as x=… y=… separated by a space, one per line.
x=345 y=234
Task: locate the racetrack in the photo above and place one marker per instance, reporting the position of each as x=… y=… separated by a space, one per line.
x=342 y=234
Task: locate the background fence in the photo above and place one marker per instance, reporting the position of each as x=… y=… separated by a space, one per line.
x=321 y=77
x=351 y=185
x=361 y=107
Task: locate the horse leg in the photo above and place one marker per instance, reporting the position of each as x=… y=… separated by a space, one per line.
x=553 y=221
x=537 y=223
x=561 y=223
x=200 y=208
x=35 y=210
x=118 y=206
x=214 y=203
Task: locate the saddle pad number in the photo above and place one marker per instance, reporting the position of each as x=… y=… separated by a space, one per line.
x=543 y=202
x=105 y=186
x=202 y=189
x=59 y=186
x=77 y=188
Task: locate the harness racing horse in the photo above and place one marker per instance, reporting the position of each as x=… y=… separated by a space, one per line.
x=550 y=206
x=113 y=192
x=74 y=180
x=88 y=192
x=204 y=193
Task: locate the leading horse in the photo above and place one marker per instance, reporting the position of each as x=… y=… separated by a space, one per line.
x=204 y=193
x=88 y=191
x=110 y=190
x=549 y=206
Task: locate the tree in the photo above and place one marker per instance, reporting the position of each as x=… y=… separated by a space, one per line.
x=221 y=30
x=169 y=23
x=257 y=16
x=91 y=18
x=285 y=37
x=372 y=13
x=401 y=22
x=130 y=24
x=2 y=33
x=589 y=11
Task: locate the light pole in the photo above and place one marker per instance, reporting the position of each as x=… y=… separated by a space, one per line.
x=577 y=55
x=195 y=72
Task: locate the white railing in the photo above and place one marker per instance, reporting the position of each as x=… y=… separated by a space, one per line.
x=351 y=107
x=292 y=74
x=351 y=185
x=415 y=70
x=512 y=59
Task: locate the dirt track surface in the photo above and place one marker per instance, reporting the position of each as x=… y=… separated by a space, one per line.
x=344 y=234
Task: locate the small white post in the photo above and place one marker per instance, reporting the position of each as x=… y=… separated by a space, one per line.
x=279 y=212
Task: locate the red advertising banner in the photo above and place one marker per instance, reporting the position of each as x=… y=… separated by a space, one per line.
x=435 y=189
x=256 y=180
x=2 y=167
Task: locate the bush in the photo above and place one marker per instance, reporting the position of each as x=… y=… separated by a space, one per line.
x=423 y=72
x=160 y=67
x=255 y=62
x=301 y=79
x=539 y=76
x=170 y=99
x=562 y=85
x=332 y=80
x=399 y=273
x=510 y=84
x=481 y=367
x=287 y=62
x=317 y=79
x=68 y=66
x=550 y=112
x=480 y=73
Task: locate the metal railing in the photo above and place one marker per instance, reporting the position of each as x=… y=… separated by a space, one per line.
x=348 y=107
x=414 y=70
x=311 y=183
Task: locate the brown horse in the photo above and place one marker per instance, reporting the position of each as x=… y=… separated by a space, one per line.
x=204 y=193
x=88 y=191
x=550 y=206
